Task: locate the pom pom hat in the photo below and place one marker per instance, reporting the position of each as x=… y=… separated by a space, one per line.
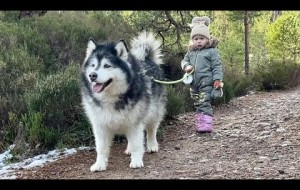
x=200 y=26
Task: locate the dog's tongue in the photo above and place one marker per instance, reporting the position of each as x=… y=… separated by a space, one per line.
x=97 y=87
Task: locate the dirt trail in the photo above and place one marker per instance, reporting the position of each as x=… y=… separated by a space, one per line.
x=255 y=137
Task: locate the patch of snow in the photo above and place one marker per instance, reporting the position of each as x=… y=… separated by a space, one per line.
x=7 y=169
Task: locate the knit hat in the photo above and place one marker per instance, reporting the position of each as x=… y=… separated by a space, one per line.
x=200 y=26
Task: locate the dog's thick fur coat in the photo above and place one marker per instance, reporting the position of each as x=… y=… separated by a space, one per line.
x=120 y=97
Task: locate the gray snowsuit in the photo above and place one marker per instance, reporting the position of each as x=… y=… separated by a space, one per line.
x=207 y=69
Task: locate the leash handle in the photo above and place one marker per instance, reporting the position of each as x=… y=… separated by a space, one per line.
x=173 y=82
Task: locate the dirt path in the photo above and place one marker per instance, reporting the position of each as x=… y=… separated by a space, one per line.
x=256 y=137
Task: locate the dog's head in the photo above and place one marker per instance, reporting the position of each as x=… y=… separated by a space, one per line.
x=106 y=69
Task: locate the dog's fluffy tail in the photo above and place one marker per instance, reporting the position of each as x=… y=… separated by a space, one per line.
x=146 y=46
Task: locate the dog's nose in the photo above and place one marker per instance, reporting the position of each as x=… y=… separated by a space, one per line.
x=93 y=76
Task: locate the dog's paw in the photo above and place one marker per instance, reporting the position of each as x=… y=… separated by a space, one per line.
x=136 y=164
x=98 y=166
x=152 y=148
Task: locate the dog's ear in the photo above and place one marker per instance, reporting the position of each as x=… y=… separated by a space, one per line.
x=91 y=46
x=122 y=50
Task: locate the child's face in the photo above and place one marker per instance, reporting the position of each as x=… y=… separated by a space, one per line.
x=199 y=41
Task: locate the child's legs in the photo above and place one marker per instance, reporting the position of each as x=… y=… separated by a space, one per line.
x=202 y=101
x=204 y=111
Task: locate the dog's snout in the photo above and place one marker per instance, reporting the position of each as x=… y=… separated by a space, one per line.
x=93 y=76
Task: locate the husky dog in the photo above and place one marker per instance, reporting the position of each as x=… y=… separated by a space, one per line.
x=120 y=97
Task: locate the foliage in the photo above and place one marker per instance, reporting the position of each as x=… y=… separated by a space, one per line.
x=258 y=51
x=277 y=75
x=9 y=16
x=184 y=91
x=57 y=97
x=174 y=104
x=80 y=134
x=283 y=37
x=232 y=51
x=14 y=133
x=38 y=134
x=18 y=71
x=10 y=130
x=29 y=41
x=114 y=25
x=240 y=15
x=64 y=35
x=171 y=26
x=239 y=83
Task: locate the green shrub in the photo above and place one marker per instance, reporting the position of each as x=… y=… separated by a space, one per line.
x=57 y=97
x=10 y=131
x=174 y=104
x=13 y=133
x=188 y=103
x=14 y=103
x=19 y=71
x=80 y=134
x=4 y=110
x=16 y=61
x=22 y=41
x=38 y=135
x=277 y=75
x=242 y=86
x=64 y=35
x=9 y=16
x=236 y=83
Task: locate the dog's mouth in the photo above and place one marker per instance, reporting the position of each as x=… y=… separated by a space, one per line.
x=99 y=87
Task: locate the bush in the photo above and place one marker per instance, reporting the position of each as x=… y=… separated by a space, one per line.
x=277 y=75
x=18 y=71
x=10 y=130
x=23 y=42
x=175 y=102
x=57 y=97
x=9 y=16
x=184 y=91
x=64 y=35
x=14 y=133
x=236 y=83
x=37 y=134
x=80 y=134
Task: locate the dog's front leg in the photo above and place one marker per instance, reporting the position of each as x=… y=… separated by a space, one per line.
x=152 y=144
x=136 y=143
x=103 y=140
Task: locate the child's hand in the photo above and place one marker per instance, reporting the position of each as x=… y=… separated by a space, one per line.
x=188 y=68
x=218 y=84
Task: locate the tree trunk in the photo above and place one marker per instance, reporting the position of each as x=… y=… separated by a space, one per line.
x=246 y=26
x=275 y=14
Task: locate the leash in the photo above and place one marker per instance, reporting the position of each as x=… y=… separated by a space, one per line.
x=173 y=82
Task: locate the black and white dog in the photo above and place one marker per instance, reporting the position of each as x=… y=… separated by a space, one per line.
x=120 y=97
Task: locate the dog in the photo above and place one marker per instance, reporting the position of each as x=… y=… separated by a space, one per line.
x=119 y=95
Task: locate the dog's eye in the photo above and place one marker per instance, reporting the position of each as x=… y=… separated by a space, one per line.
x=107 y=66
x=92 y=65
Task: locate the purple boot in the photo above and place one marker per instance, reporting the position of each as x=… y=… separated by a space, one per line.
x=199 y=121
x=204 y=123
